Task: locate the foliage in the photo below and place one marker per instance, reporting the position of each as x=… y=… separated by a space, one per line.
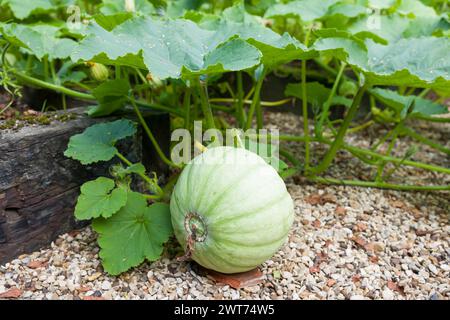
x=188 y=58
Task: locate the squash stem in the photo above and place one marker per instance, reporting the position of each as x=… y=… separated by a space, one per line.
x=159 y=191
x=255 y=101
x=150 y=135
x=326 y=107
x=339 y=140
x=206 y=107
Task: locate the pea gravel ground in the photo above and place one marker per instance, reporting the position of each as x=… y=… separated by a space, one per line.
x=346 y=243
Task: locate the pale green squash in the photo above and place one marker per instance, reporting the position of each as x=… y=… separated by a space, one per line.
x=231 y=210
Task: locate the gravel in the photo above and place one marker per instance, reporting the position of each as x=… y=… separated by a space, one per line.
x=346 y=243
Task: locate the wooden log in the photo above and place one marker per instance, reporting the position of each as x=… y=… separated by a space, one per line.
x=39 y=185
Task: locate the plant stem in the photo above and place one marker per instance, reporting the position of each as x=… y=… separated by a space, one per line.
x=430 y=118
x=413 y=134
x=263 y=103
x=382 y=165
x=327 y=104
x=64 y=102
x=256 y=97
x=424 y=92
x=53 y=72
x=45 y=67
x=187 y=108
x=305 y=103
x=54 y=87
x=206 y=108
x=143 y=176
x=361 y=151
x=240 y=112
x=291 y=158
x=361 y=127
x=118 y=73
x=380 y=185
x=339 y=140
x=150 y=135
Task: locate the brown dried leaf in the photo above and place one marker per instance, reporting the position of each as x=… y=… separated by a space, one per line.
x=315 y=199
x=238 y=280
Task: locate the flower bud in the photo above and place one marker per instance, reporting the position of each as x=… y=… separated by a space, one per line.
x=98 y=71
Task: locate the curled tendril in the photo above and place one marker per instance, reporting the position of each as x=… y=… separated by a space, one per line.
x=5 y=80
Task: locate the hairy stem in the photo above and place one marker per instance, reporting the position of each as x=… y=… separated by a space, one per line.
x=206 y=108
x=327 y=104
x=187 y=108
x=413 y=134
x=240 y=112
x=147 y=179
x=150 y=135
x=255 y=101
x=380 y=185
x=339 y=140
x=54 y=87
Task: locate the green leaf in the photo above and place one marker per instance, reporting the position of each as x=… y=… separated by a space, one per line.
x=387 y=28
x=97 y=142
x=111 y=96
x=111 y=7
x=400 y=103
x=394 y=27
x=237 y=13
x=415 y=8
x=347 y=10
x=407 y=63
x=316 y=94
x=100 y=198
x=109 y=22
x=135 y=233
x=306 y=10
x=403 y=63
x=24 y=8
x=171 y=48
x=137 y=168
x=381 y=4
x=39 y=40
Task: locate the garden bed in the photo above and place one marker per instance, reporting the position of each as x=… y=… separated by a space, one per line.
x=346 y=243
x=39 y=185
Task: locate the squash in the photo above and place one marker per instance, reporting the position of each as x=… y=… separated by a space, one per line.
x=230 y=210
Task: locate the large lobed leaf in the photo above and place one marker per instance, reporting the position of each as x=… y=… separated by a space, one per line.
x=135 y=233
x=168 y=48
x=400 y=103
x=39 y=40
x=404 y=63
x=111 y=96
x=97 y=142
x=24 y=8
x=306 y=10
x=100 y=198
